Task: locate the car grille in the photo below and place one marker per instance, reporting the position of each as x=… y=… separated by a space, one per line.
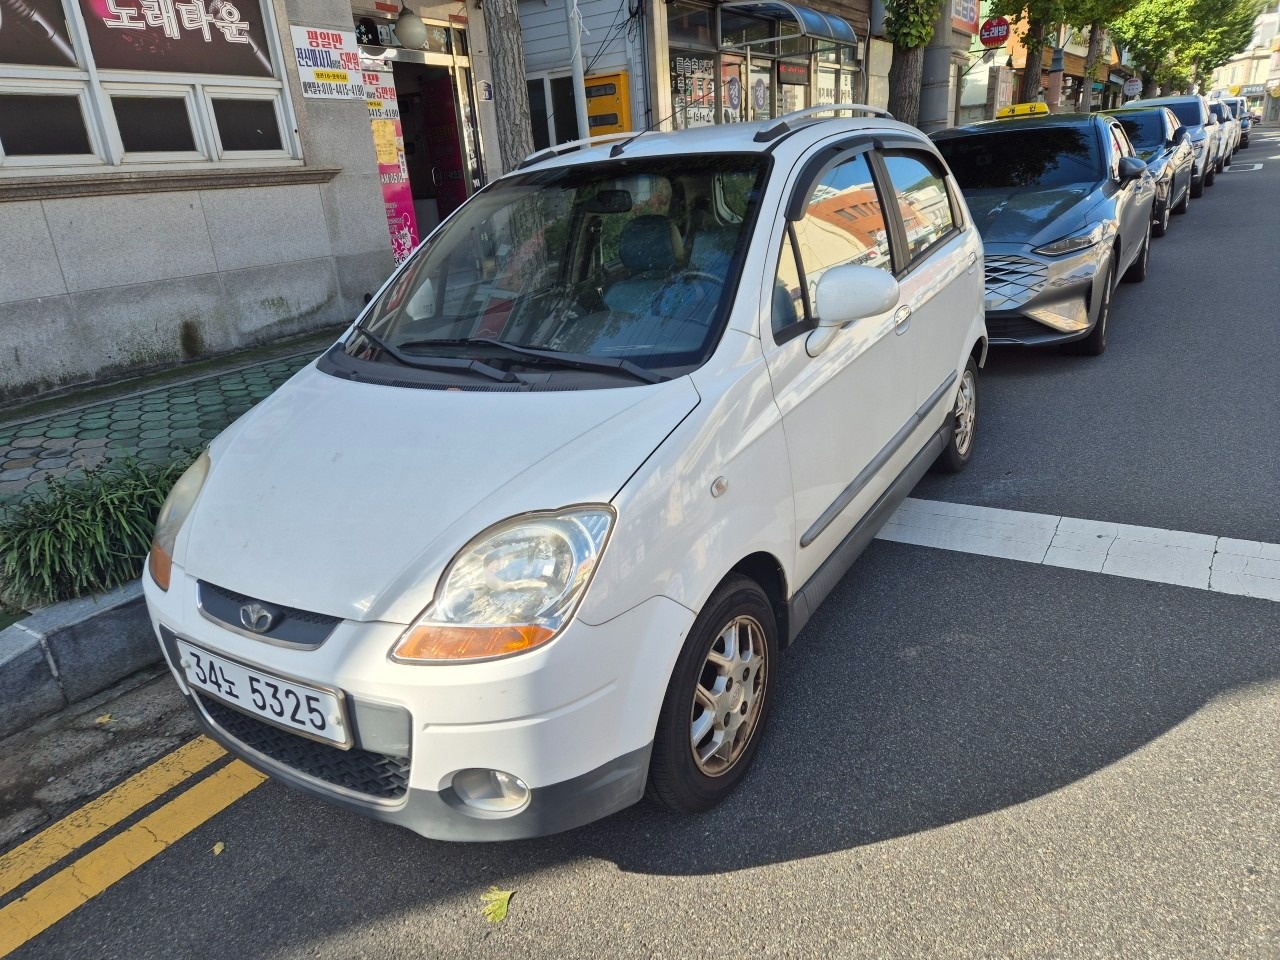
x=376 y=775
x=303 y=628
x=1012 y=281
x=1018 y=329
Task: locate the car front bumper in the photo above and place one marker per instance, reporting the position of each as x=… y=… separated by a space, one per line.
x=1032 y=299
x=574 y=720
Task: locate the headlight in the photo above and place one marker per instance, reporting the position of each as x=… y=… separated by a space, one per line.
x=511 y=589
x=1081 y=241
x=176 y=509
x=1198 y=146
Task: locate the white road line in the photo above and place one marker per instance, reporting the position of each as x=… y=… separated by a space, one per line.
x=1222 y=564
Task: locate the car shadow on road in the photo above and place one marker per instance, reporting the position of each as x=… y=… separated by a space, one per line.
x=931 y=688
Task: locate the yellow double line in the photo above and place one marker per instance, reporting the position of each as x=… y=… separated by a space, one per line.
x=74 y=885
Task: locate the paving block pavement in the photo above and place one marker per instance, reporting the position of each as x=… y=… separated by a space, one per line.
x=150 y=424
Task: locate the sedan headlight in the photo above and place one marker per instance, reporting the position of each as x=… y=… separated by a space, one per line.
x=1081 y=241
x=176 y=509
x=511 y=589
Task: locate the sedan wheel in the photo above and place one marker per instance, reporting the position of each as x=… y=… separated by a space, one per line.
x=717 y=701
x=1095 y=344
x=1185 y=203
x=1161 y=225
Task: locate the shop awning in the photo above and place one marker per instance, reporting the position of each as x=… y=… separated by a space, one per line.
x=812 y=23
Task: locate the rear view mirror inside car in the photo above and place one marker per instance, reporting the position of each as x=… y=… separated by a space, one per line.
x=609 y=201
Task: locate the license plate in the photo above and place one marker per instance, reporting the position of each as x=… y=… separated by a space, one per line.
x=285 y=703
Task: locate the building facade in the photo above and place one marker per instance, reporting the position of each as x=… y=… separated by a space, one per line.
x=180 y=178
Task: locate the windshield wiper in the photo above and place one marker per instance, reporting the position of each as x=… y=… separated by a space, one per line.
x=580 y=361
x=440 y=364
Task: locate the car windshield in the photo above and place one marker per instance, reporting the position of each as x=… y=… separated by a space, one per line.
x=1024 y=157
x=1144 y=129
x=1187 y=112
x=626 y=263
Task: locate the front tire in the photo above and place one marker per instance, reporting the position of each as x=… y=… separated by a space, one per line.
x=717 y=701
x=1197 y=187
x=1185 y=203
x=1161 y=226
x=1137 y=271
x=1095 y=344
x=959 y=450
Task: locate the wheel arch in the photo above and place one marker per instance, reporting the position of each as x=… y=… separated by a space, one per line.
x=767 y=571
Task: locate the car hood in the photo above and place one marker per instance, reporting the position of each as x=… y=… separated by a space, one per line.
x=348 y=499
x=1031 y=215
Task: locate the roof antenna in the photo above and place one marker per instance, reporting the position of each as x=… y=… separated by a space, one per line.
x=617 y=148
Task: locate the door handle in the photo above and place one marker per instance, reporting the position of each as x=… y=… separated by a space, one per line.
x=902 y=319
x=435 y=176
x=973 y=262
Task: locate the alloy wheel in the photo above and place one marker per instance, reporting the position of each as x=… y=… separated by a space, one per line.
x=729 y=696
x=966 y=412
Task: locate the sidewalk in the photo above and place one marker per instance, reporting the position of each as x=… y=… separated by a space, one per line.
x=150 y=418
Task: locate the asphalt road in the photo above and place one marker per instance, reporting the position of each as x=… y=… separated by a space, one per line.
x=969 y=757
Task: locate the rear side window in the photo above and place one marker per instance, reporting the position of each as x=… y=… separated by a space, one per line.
x=843 y=223
x=921 y=193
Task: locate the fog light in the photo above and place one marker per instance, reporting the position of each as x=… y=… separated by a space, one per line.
x=1067 y=317
x=491 y=790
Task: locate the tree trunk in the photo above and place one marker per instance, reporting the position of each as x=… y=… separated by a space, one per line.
x=905 y=76
x=1033 y=40
x=1085 y=98
x=510 y=90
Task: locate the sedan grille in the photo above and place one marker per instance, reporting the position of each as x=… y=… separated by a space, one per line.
x=1012 y=281
x=376 y=775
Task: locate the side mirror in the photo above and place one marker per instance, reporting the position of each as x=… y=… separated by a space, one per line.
x=1178 y=136
x=846 y=294
x=1131 y=168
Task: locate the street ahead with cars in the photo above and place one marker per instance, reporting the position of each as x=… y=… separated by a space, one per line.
x=1035 y=718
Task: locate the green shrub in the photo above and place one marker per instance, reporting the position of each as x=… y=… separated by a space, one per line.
x=85 y=535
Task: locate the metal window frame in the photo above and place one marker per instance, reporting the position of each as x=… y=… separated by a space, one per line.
x=94 y=87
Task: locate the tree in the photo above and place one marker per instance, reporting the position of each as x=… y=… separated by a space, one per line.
x=510 y=89
x=909 y=26
x=1174 y=42
x=1039 y=16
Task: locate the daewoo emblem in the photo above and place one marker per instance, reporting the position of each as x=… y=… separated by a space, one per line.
x=256 y=617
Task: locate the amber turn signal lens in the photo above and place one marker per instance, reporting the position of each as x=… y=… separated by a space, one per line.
x=161 y=566
x=434 y=641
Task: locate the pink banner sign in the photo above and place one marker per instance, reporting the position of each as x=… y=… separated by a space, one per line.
x=388 y=142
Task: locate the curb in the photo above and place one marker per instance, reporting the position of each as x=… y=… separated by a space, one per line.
x=69 y=651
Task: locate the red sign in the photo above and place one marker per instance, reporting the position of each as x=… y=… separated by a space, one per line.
x=994 y=32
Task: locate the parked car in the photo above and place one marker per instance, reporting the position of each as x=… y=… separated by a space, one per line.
x=1165 y=146
x=1240 y=107
x=1230 y=129
x=1193 y=113
x=1064 y=207
x=529 y=537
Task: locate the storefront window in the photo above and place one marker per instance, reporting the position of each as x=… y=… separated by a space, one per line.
x=760 y=101
x=176 y=80
x=735 y=29
x=693 y=89
x=733 y=101
x=690 y=23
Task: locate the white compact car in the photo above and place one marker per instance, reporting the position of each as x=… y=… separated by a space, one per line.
x=527 y=541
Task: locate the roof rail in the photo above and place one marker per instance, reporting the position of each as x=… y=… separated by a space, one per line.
x=782 y=126
x=559 y=148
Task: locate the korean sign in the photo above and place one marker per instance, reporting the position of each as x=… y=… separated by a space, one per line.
x=964 y=16
x=693 y=90
x=34 y=32
x=224 y=37
x=328 y=63
x=388 y=144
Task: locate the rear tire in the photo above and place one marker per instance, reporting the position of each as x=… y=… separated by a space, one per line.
x=717 y=701
x=959 y=450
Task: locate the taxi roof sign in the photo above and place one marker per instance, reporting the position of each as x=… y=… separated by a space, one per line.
x=1022 y=110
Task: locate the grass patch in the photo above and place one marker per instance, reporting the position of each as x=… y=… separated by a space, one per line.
x=82 y=536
